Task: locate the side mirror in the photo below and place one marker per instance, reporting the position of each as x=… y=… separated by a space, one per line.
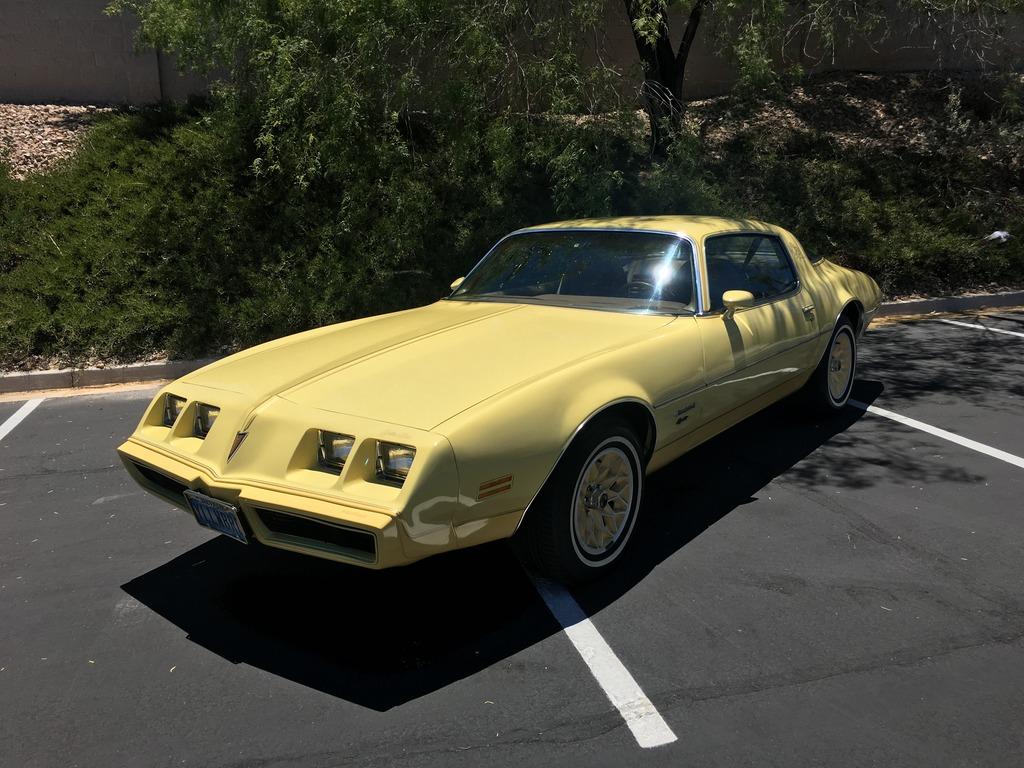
x=733 y=300
x=458 y=281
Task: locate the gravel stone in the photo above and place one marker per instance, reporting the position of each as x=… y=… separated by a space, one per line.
x=36 y=137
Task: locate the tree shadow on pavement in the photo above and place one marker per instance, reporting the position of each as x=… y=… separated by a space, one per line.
x=930 y=360
x=381 y=638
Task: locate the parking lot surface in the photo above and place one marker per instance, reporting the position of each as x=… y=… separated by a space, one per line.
x=848 y=592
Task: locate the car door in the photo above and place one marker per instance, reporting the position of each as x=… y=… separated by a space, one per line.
x=756 y=349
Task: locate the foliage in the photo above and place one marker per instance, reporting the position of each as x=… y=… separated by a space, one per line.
x=359 y=155
x=772 y=41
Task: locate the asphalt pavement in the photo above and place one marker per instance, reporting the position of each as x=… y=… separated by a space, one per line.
x=800 y=593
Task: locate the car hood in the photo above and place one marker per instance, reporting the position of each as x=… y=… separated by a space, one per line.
x=420 y=367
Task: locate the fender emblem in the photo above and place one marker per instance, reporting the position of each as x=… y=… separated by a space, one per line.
x=495 y=486
x=682 y=413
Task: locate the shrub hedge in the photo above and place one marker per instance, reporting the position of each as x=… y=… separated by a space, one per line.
x=161 y=236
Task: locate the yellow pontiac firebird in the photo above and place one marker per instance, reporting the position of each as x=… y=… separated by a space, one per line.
x=574 y=359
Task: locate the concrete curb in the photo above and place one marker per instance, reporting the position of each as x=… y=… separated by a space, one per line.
x=73 y=378
x=951 y=303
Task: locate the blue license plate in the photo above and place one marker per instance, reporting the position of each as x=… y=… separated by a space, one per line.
x=216 y=515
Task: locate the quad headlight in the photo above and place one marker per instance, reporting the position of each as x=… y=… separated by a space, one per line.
x=394 y=461
x=173 y=406
x=334 y=449
x=206 y=415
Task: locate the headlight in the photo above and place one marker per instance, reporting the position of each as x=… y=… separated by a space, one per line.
x=206 y=415
x=334 y=449
x=394 y=461
x=173 y=406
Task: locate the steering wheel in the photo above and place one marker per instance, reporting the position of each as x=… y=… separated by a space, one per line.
x=636 y=289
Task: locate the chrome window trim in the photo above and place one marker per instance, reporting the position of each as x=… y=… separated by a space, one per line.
x=682 y=236
x=764 y=302
x=581 y=307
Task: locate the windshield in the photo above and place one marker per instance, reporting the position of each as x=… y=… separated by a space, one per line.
x=626 y=271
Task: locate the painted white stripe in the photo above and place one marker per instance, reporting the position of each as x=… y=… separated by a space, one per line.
x=647 y=725
x=978 y=327
x=952 y=437
x=19 y=416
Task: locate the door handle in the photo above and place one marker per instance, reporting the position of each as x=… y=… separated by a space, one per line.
x=809 y=311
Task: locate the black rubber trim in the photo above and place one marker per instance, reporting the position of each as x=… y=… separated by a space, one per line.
x=348 y=541
x=166 y=483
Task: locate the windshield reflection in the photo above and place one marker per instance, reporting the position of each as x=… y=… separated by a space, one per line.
x=629 y=271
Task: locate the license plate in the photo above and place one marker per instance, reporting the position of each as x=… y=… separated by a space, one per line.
x=216 y=515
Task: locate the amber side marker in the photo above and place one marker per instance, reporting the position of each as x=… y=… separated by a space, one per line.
x=495 y=486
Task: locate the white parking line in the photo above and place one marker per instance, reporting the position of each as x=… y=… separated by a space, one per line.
x=647 y=725
x=966 y=442
x=979 y=327
x=19 y=416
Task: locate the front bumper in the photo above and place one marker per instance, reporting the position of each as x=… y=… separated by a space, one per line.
x=291 y=519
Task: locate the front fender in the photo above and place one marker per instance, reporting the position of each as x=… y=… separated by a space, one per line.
x=522 y=437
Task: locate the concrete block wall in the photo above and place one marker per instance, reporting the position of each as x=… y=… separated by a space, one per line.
x=70 y=51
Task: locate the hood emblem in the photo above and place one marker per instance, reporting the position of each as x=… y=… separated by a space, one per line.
x=241 y=435
x=236 y=443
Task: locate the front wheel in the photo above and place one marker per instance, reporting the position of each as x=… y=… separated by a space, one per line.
x=582 y=520
x=829 y=387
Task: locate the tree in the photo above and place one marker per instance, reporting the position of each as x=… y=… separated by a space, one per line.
x=763 y=38
x=664 y=67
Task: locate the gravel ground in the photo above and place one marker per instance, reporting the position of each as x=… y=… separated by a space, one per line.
x=35 y=137
x=900 y=113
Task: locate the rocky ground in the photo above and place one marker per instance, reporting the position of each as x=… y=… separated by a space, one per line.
x=914 y=112
x=36 y=137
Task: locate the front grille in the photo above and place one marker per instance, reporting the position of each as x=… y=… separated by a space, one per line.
x=168 y=484
x=302 y=530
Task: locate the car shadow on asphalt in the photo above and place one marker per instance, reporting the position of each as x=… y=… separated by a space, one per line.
x=382 y=638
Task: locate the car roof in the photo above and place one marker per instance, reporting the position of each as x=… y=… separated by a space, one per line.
x=695 y=227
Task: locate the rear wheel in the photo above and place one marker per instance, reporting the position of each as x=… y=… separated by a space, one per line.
x=582 y=520
x=829 y=387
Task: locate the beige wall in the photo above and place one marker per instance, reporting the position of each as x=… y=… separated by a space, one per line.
x=70 y=51
x=711 y=75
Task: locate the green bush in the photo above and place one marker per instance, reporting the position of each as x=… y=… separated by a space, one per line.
x=189 y=231
x=160 y=236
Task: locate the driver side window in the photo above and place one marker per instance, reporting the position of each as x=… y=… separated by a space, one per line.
x=756 y=263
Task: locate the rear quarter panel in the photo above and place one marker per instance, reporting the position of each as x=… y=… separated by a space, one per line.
x=833 y=286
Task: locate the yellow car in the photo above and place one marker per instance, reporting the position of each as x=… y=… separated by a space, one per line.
x=574 y=359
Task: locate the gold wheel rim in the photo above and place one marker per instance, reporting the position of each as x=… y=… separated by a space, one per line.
x=840 y=366
x=603 y=501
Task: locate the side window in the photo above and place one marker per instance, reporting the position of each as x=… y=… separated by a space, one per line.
x=755 y=263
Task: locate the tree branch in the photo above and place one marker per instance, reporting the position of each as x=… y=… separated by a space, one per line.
x=683 y=54
x=656 y=58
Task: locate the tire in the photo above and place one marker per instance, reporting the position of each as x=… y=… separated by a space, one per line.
x=581 y=522
x=828 y=389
